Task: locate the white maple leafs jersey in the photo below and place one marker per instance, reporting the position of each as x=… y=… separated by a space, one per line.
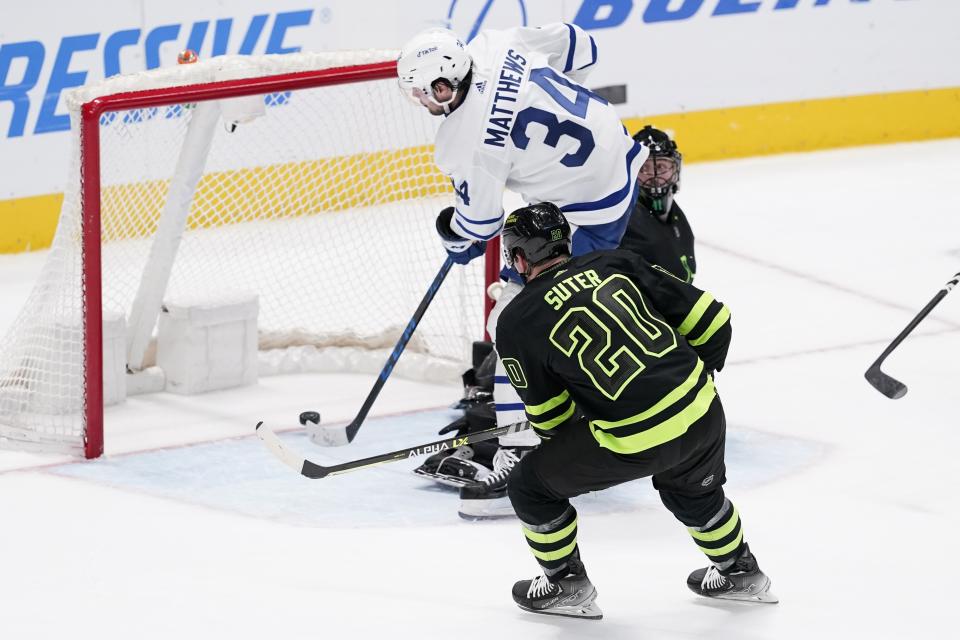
x=525 y=124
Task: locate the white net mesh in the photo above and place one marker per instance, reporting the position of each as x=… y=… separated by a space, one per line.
x=323 y=207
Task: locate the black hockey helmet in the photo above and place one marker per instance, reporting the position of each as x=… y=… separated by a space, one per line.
x=660 y=174
x=538 y=232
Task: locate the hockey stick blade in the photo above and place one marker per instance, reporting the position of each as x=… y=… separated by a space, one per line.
x=276 y=447
x=891 y=387
x=887 y=385
x=316 y=471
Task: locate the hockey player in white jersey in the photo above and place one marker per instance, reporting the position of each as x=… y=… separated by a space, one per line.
x=516 y=117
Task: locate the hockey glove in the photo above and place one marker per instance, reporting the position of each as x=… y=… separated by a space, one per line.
x=461 y=250
x=510 y=274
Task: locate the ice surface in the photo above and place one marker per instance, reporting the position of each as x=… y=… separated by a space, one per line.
x=242 y=476
x=848 y=499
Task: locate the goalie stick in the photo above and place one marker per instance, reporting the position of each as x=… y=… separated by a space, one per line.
x=336 y=436
x=887 y=385
x=315 y=471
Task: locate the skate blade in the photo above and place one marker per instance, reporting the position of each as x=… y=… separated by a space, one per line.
x=588 y=611
x=483 y=510
x=763 y=595
x=446 y=481
x=472 y=517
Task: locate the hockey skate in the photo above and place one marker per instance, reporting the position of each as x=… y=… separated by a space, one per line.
x=488 y=497
x=455 y=468
x=743 y=581
x=572 y=596
x=469 y=463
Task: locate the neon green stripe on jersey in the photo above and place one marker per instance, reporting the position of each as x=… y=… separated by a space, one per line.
x=695 y=314
x=663 y=432
x=559 y=554
x=540 y=409
x=718 y=322
x=547 y=538
x=550 y=424
x=665 y=402
x=717 y=534
x=725 y=549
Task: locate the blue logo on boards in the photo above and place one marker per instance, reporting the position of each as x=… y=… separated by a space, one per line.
x=21 y=63
x=470 y=16
x=604 y=14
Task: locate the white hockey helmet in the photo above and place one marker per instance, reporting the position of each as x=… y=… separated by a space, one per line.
x=431 y=55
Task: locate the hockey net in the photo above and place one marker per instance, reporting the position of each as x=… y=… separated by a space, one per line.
x=321 y=201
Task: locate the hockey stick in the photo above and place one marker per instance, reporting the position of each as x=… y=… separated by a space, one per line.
x=315 y=471
x=337 y=436
x=888 y=386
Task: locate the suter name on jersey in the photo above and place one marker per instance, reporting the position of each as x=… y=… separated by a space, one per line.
x=562 y=291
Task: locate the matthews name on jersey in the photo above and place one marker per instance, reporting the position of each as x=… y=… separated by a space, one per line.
x=527 y=125
x=602 y=320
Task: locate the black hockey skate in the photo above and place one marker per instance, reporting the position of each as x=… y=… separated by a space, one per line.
x=743 y=581
x=488 y=498
x=469 y=463
x=454 y=468
x=572 y=596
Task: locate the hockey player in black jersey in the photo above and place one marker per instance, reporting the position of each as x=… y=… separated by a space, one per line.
x=658 y=229
x=613 y=359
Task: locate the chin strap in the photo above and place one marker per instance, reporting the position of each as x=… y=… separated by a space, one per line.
x=464 y=86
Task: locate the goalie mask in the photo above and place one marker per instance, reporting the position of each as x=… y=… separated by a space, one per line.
x=432 y=56
x=659 y=175
x=538 y=232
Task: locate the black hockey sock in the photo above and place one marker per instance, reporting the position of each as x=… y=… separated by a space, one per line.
x=721 y=538
x=554 y=543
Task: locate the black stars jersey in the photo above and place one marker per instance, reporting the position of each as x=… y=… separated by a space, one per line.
x=618 y=340
x=668 y=243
